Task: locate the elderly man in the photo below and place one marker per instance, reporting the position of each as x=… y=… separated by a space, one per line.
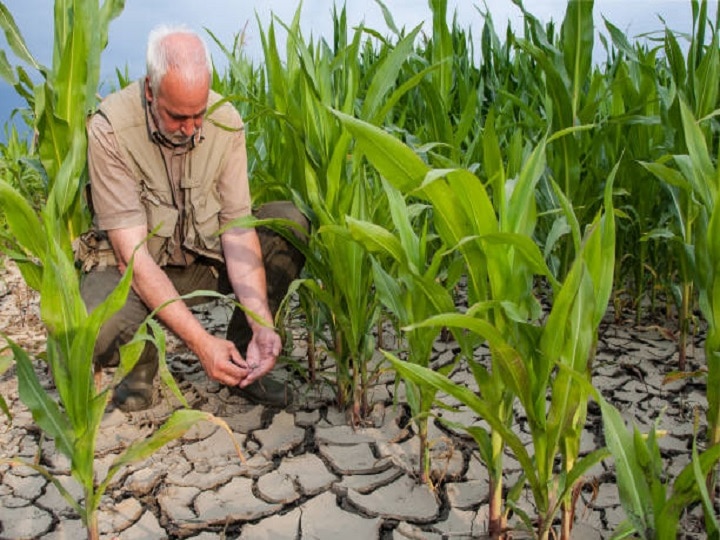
x=160 y=162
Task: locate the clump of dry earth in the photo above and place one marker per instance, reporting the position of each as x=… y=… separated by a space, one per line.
x=308 y=474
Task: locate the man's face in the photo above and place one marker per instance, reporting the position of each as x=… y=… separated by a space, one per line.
x=178 y=108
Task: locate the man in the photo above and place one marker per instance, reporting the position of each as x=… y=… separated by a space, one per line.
x=157 y=164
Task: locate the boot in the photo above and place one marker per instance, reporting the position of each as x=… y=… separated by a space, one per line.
x=135 y=391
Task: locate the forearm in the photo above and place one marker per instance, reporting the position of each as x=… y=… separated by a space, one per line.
x=155 y=289
x=243 y=259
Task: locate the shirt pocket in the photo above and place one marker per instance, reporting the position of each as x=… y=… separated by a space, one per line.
x=206 y=210
x=162 y=216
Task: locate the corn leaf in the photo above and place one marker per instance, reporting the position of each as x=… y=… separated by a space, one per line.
x=22 y=221
x=45 y=411
x=158 y=339
x=385 y=77
x=578 y=37
x=6 y=70
x=705 y=183
x=634 y=492
x=397 y=163
x=14 y=37
x=425 y=376
x=376 y=239
x=5 y=363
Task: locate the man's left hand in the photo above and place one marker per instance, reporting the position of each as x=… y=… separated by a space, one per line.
x=262 y=353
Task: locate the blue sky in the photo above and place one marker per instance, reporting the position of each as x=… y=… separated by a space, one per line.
x=226 y=18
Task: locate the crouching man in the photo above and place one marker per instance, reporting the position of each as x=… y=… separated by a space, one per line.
x=158 y=162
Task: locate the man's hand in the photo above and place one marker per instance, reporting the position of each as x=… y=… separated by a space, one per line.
x=262 y=353
x=222 y=361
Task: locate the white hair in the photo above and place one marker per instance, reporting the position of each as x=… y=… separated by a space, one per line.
x=192 y=61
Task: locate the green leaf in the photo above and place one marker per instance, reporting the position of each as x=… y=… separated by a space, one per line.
x=376 y=239
x=520 y=215
x=22 y=220
x=14 y=38
x=67 y=186
x=6 y=70
x=63 y=312
x=578 y=37
x=424 y=376
x=634 y=492
x=173 y=428
x=5 y=363
x=526 y=250
x=705 y=182
x=387 y=15
x=668 y=175
x=397 y=163
x=685 y=489
x=599 y=253
x=157 y=336
x=45 y=411
x=385 y=77
x=390 y=292
x=711 y=522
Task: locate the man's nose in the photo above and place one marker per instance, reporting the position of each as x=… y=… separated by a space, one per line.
x=188 y=127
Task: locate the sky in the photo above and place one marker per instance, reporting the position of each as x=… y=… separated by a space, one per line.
x=227 y=18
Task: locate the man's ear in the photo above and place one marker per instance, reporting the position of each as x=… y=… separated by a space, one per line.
x=148 y=90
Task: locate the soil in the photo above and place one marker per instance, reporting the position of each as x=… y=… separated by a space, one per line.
x=634 y=369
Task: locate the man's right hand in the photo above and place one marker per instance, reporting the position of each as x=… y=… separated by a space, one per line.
x=221 y=360
x=219 y=357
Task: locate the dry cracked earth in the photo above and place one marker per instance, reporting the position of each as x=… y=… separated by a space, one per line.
x=305 y=473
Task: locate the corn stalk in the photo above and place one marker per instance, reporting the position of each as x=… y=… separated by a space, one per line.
x=407 y=278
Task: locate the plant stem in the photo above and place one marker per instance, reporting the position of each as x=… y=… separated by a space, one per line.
x=92 y=527
x=424 y=450
x=496 y=519
x=311 y=355
x=684 y=325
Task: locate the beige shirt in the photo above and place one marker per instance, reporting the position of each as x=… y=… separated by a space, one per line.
x=116 y=194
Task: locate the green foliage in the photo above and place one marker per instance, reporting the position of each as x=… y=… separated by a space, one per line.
x=653 y=507
x=406 y=275
x=421 y=168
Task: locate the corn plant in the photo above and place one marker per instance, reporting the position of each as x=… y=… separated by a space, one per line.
x=73 y=419
x=523 y=357
x=317 y=157
x=462 y=213
x=306 y=149
x=67 y=94
x=653 y=507
x=19 y=168
x=696 y=79
x=565 y=342
x=699 y=177
x=633 y=125
x=406 y=274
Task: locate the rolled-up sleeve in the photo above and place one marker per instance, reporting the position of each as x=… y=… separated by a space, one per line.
x=233 y=185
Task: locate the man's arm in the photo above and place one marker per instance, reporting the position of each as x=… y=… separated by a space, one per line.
x=220 y=358
x=243 y=259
